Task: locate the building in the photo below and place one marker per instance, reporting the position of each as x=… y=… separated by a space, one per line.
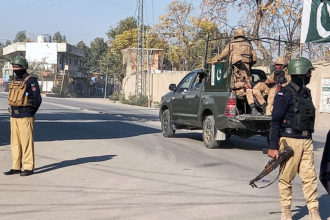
x=53 y=62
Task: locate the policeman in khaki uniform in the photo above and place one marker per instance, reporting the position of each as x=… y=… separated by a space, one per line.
x=24 y=100
x=293 y=119
x=242 y=57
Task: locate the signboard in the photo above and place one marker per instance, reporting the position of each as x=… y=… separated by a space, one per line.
x=41 y=52
x=325 y=96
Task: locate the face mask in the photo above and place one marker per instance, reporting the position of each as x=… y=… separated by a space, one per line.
x=306 y=79
x=19 y=72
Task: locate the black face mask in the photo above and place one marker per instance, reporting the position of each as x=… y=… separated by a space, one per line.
x=306 y=79
x=19 y=73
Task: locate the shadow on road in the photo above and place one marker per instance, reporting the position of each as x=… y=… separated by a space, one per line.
x=324 y=204
x=255 y=143
x=67 y=163
x=79 y=126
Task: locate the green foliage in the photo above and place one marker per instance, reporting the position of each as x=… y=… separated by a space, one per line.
x=87 y=53
x=59 y=38
x=20 y=37
x=123 y=25
x=98 y=49
x=139 y=100
x=117 y=96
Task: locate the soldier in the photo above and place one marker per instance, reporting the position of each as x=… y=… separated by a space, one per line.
x=242 y=57
x=276 y=82
x=272 y=85
x=293 y=120
x=24 y=100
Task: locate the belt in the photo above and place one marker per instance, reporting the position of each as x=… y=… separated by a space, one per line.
x=291 y=131
x=22 y=110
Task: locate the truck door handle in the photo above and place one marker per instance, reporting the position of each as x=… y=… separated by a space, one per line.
x=184 y=96
x=196 y=96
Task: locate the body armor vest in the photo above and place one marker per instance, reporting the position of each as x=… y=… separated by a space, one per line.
x=17 y=93
x=240 y=51
x=303 y=111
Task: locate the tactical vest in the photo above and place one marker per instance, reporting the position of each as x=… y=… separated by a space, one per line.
x=303 y=112
x=17 y=93
x=240 y=51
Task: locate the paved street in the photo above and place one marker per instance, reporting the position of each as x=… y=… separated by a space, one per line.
x=101 y=160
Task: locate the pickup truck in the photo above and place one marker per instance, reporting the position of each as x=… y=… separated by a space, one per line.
x=204 y=101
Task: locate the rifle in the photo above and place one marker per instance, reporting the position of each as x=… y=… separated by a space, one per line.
x=273 y=164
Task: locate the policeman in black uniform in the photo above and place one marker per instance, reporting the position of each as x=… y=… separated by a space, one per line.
x=293 y=119
x=24 y=100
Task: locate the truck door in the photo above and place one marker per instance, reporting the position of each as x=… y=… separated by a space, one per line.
x=180 y=108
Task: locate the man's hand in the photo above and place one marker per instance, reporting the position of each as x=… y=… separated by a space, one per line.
x=247 y=85
x=273 y=153
x=267 y=81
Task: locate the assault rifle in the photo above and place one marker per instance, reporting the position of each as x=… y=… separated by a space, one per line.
x=273 y=164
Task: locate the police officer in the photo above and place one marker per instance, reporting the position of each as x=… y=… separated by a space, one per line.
x=24 y=100
x=293 y=119
x=242 y=57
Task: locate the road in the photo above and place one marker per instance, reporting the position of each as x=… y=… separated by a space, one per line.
x=101 y=160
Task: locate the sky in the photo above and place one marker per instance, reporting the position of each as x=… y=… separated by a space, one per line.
x=76 y=19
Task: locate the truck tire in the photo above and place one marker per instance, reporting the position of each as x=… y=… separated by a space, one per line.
x=209 y=132
x=167 y=125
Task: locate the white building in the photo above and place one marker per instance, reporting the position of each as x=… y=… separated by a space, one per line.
x=53 y=57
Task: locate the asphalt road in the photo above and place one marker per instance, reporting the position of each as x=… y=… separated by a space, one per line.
x=101 y=160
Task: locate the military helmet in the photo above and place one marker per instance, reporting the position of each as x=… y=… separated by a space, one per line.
x=300 y=66
x=20 y=61
x=281 y=61
x=239 y=33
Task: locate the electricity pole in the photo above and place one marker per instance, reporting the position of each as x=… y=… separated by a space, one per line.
x=140 y=79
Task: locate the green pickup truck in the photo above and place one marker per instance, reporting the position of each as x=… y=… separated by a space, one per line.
x=204 y=101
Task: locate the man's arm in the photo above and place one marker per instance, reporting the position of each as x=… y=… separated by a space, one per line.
x=221 y=56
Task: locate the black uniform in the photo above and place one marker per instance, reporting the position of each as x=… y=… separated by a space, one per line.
x=285 y=111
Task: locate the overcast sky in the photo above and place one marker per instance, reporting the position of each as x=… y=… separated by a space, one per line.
x=76 y=19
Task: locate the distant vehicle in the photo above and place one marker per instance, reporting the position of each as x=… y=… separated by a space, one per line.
x=204 y=101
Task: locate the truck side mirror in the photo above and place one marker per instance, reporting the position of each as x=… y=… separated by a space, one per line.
x=172 y=87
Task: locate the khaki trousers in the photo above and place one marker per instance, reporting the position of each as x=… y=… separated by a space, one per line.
x=270 y=100
x=259 y=91
x=22 y=143
x=302 y=163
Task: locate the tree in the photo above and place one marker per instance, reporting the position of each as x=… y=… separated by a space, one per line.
x=261 y=18
x=123 y=25
x=20 y=37
x=176 y=28
x=97 y=50
x=59 y=38
x=87 y=53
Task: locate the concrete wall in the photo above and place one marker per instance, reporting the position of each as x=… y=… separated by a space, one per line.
x=322 y=70
x=158 y=85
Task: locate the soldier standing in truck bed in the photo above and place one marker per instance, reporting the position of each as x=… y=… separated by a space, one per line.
x=242 y=57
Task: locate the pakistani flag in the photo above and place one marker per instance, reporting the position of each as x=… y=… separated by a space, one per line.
x=315 y=25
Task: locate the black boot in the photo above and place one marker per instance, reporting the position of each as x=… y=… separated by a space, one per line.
x=263 y=107
x=12 y=171
x=254 y=111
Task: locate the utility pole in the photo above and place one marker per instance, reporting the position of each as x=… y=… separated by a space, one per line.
x=106 y=83
x=140 y=81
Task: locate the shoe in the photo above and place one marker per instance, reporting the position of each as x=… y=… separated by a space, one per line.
x=286 y=213
x=314 y=214
x=263 y=107
x=12 y=171
x=26 y=173
x=254 y=111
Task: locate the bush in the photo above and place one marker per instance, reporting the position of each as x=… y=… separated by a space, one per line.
x=117 y=96
x=139 y=100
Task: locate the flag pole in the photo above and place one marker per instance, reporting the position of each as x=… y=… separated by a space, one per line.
x=300 y=49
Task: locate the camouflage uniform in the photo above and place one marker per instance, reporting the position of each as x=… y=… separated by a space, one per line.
x=276 y=87
x=242 y=57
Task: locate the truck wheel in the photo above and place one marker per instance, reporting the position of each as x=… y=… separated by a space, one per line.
x=209 y=132
x=167 y=125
